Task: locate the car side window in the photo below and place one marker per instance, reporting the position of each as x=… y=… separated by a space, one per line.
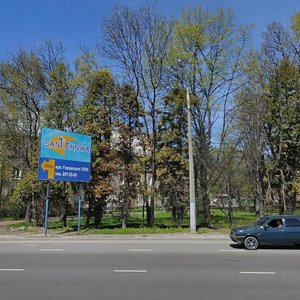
x=292 y=222
x=275 y=223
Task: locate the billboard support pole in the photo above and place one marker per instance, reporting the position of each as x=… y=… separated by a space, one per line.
x=46 y=208
x=79 y=207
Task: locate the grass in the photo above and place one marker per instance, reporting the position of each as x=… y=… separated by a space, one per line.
x=8 y=219
x=18 y=225
x=130 y=231
x=112 y=224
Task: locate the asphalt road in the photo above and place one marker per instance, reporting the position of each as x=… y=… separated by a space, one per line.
x=145 y=268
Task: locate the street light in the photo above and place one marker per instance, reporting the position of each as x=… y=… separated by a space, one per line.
x=191 y=168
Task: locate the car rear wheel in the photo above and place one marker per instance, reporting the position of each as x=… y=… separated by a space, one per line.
x=251 y=243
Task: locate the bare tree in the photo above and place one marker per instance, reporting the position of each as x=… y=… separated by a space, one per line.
x=138 y=40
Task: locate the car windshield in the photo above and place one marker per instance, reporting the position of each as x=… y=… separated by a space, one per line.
x=261 y=221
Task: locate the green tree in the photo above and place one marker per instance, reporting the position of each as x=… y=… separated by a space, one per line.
x=97 y=119
x=283 y=132
x=296 y=24
x=250 y=127
x=24 y=86
x=60 y=108
x=127 y=145
x=280 y=62
x=208 y=52
x=22 y=100
x=172 y=155
x=60 y=113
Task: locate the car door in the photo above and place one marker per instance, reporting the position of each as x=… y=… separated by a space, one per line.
x=293 y=230
x=274 y=232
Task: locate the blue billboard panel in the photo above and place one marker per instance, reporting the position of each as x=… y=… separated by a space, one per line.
x=63 y=170
x=65 y=145
x=64 y=156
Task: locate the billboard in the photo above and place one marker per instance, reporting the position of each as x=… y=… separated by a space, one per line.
x=64 y=156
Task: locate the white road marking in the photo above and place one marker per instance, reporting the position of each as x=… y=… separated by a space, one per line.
x=130 y=271
x=57 y=250
x=262 y=273
x=11 y=270
x=140 y=250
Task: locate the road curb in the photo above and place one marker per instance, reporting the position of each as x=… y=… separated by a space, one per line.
x=75 y=236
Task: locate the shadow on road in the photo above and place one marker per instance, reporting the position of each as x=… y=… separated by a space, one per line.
x=262 y=247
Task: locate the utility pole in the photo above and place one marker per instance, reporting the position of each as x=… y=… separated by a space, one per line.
x=1 y=181
x=191 y=168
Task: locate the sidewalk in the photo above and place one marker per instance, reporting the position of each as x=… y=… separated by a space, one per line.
x=7 y=233
x=76 y=236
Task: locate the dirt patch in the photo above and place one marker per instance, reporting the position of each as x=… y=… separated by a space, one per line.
x=5 y=228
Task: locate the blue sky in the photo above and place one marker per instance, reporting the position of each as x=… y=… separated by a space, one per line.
x=26 y=23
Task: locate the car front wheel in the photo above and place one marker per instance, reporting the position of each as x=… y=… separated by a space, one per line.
x=251 y=243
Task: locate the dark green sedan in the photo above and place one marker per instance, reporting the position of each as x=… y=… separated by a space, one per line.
x=271 y=230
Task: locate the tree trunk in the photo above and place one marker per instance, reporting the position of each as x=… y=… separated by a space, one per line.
x=1 y=182
x=89 y=211
x=291 y=203
x=204 y=190
x=260 y=190
x=148 y=213
x=201 y=171
x=98 y=211
x=124 y=222
x=259 y=207
x=152 y=186
x=35 y=211
x=152 y=219
x=28 y=214
x=88 y=218
x=281 y=206
x=173 y=214
x=206 y=209
x=64 y=213
x=230 y=212
x=281 y=194
x=150 y=202
x=143 y=211
x=98 y=219
x=230 y=204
